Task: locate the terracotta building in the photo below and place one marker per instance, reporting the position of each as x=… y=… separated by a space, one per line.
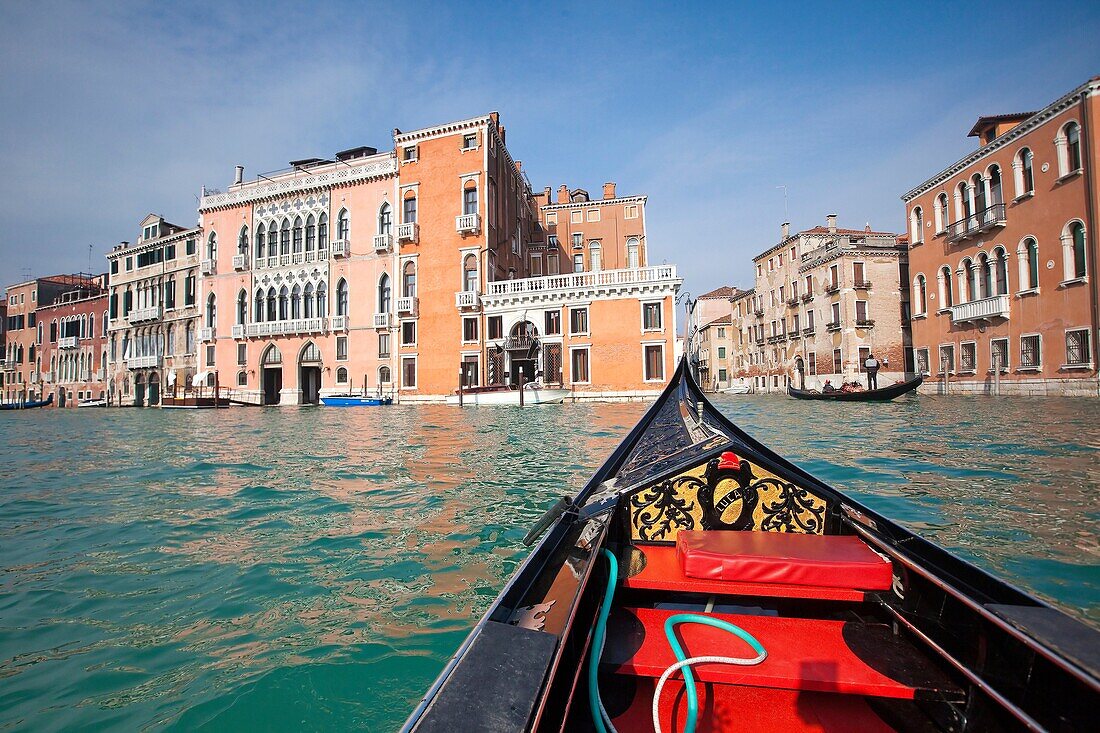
x=826 y=298
x=154 y=310
x=410 y=269
x=1002 y=254
x=703 y=311
x=73 y=346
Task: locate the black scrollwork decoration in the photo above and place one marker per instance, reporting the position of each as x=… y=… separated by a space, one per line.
x=661 y=509
x=793 y=509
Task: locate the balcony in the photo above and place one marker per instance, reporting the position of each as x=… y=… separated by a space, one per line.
x=985 y=309
x=339 y=323
x=862 y=285
x=238 y=331
x=759 y=312
x=407 y=232
x=239 y=262
x=383 y=242
x=760 y=342
x=383 y=320
x=207 y=267
x=981 y=221
x=865 y=323
x=832 y=288
x=809 y=331
x=141 y=315
x=287 y=328
x=290 y=259
x=833 y=326
x=408 y=305
x=467 y=223
x=68 y=342
x=792 y=302
x=658 y=279
x=467 y=299
x=206 y=334
x=807 y=297
x=143 y=362
x=340 y=248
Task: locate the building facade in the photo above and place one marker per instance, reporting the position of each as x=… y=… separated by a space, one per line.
x=153 y=306
x=703 y=311
x=1002 y=254
x=409 y=270
x=824 y=300
x=73 y=346
x=716 y=354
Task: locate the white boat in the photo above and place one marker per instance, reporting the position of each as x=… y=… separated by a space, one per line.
x=481 y=396
x=736 y=389
x=92 y=403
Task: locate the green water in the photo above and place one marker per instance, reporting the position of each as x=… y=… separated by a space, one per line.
x=313 y=569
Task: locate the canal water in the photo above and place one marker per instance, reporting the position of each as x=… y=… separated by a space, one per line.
x=313 y=569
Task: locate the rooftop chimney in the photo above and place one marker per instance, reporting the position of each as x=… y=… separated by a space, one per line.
x=786 y=228
x=830 y=220
x=563 y=194
x=238 y=175
x=546 y=193
x=608 y=190
x=867 y=227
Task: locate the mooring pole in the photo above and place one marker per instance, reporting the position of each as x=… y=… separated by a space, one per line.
x=521 y=387
x=460 y=380
x=996 y=375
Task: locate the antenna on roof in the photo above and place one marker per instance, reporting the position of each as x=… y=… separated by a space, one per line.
x=786 y=214
x=90 y=257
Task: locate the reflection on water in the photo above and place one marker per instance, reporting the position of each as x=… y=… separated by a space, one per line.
x=309 y=569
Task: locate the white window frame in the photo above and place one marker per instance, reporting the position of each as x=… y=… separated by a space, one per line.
x=401 y=367
x=939 y=359
x=576 y=216
x=1007 y=350
x=927 y=360
x=551 y=218
x=476 y=320
x=592 y=215
x=401 y=334
x=1088 y=347
x=587 y=320
x=959 y=368
x=346 y=348
x=1038 y=367
x=630 y=211
x=664 y=362
x=580 y=347
x=405 y=158
x=661 y=317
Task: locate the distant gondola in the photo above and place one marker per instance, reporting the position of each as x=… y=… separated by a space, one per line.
x=27 y=405
x=813 y=612
x=868 y=395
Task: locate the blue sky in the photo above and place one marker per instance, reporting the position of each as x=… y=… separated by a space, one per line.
x=110 y=111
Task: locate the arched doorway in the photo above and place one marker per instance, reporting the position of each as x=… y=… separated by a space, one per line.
x=800 y=368
x=271 y=368
x=309 y=374
x=523 y=353
x=153 y=389
x=61 y=398
x=139 y=390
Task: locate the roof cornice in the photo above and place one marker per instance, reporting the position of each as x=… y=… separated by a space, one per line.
x=598 y=202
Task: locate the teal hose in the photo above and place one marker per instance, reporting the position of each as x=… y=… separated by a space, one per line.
x=598 y=638
x=689 y=678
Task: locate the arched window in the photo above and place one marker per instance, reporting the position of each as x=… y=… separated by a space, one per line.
x=212 y=246
x=1023 y=172
x=258 y=308
x=1027 y=255
x=977 y=190
x=385 y=219
x=408 y=280
x=947 y=298
x=322 y=231
x=307 y=301
x=969 y=284
x=633 y=259
x=943 y=213
x=1000 y=271
x=284 y=238
x=284 y=303
x=242 y=379
x=342 y=297
x=409 y=209
x=260 y=234
x=921 y=295
x=342 y=375
x=296 y=302
x=271 y=306
x=169 y=340
x=322 y=301
x=106 y=323
x=211 y=311
x=242 y=241
x=311 y=233
x=384 y=293
x=996 y=196
x=1073 y=251
x=916 y=225
x=297 y=235
x=595 y=256
x=1068 y=144
x=190 y=342
x=383 y=375
x=343 y=225
x=272 y=356
x=469 y=198
x=985 y=276
x=962 y=202
x=469 y=273
x=242 y=307
x=273 y=240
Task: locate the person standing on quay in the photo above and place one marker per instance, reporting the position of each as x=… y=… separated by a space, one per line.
x=871 y=365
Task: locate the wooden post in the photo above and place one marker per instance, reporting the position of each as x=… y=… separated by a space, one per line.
x=521 y=387
x=460 y=380
x=216 y=390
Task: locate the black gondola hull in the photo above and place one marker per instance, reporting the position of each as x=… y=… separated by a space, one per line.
x=871 y=395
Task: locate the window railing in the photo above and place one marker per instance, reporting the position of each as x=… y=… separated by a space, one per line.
x=68 y=342
x=467 y=223
x=207 y=267
x=980 y=310
x=467 y=299
x=341 y=248
x=238 y=331
x=792 y=301
x=140 y=315
x=143 y=362
x=862 y=285
x=239 y=262
x=832 y=326
x=407 y=305
x=383 y=242
x=339 y=323
x=292 y=258
x=865 y=323
x=288 y=327
x=206 y=334
x=807 y=297
x=582 y=280
x=832 y=288
x=808 y=331
x=979 y=221
x=759 y=312
x=382 y=320
x=407 y=232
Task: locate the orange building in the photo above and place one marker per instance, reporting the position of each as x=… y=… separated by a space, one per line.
x=408 y=270
x=73 y=346
x=1002 y=253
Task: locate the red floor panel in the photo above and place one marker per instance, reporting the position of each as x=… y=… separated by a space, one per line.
x=803 y=654
x=749 y=710
x=662 y=572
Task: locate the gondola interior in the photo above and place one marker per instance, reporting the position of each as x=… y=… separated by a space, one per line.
x=694 y=540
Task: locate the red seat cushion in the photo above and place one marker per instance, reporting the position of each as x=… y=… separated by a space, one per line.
x=829 y=561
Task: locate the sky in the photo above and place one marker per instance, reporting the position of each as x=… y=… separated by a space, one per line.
x=111 y=111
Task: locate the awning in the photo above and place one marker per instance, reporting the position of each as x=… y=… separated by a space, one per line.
x=200 y=379
x=171 y=377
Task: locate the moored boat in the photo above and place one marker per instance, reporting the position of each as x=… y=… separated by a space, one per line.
x=883 y=394
x=347 y=400
x=700 y=579
x=26 y=404
x=737 y=389
x=504 y=395
x=101 y=402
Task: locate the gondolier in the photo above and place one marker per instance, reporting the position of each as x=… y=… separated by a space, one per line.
x=871 y=365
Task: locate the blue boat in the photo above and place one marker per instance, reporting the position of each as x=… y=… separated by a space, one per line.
x=354 y=401
x=27 y=404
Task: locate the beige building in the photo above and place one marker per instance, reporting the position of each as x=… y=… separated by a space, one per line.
x=716 y=353
x=704 y=312
x=826 y=298
x=154 y=309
